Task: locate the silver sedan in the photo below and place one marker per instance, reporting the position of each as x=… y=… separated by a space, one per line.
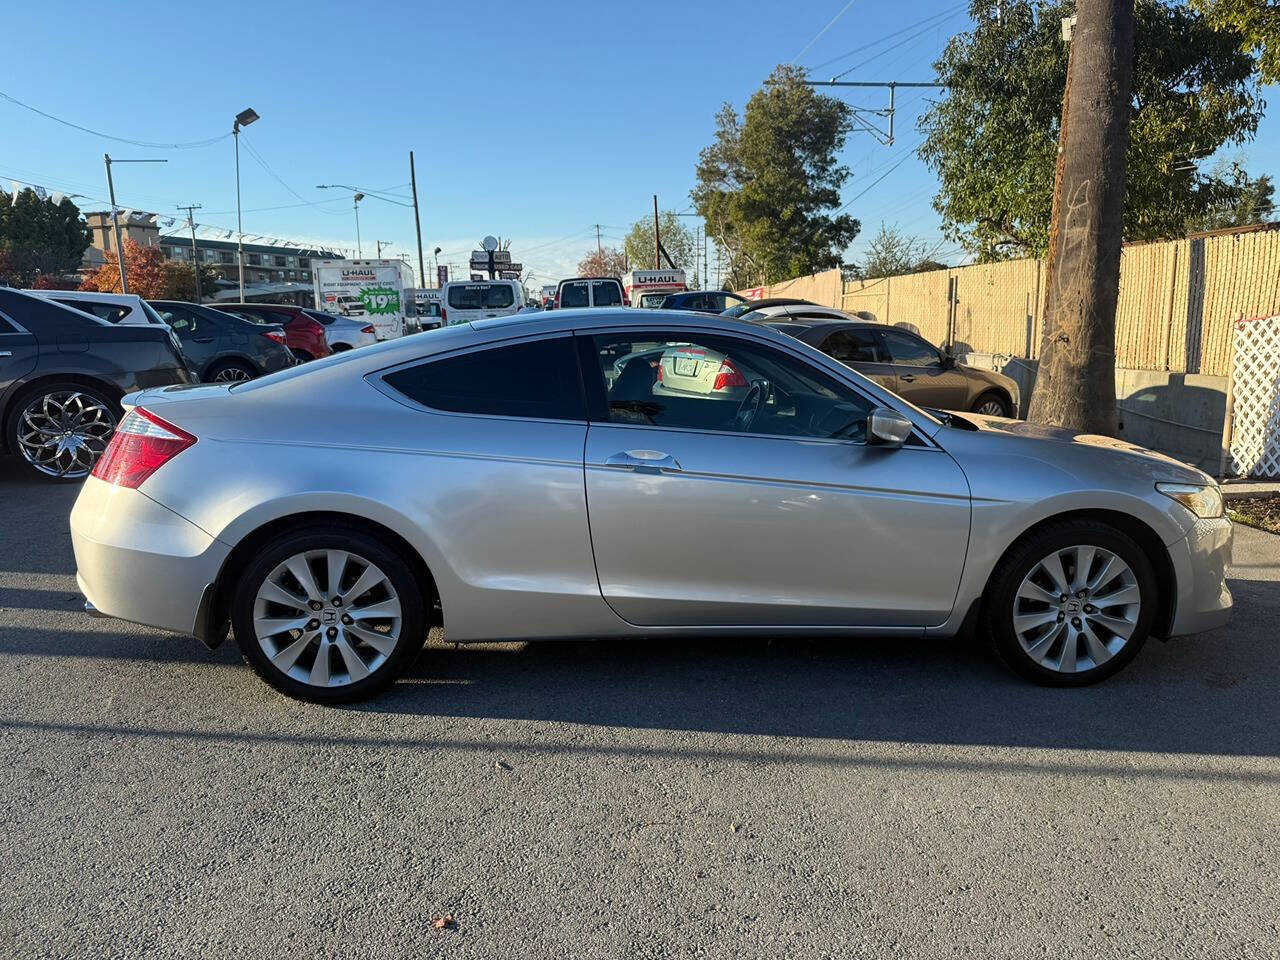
x=531 y=478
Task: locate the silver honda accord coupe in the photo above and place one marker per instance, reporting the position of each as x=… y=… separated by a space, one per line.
x=534 y=478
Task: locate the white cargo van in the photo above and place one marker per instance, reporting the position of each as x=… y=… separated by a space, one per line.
x=464 y=301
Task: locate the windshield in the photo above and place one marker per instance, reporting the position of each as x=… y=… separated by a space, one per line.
x=738 y=309
x=482 y=296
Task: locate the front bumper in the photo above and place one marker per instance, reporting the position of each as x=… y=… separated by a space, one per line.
x=1203 y=599
x=139 y=561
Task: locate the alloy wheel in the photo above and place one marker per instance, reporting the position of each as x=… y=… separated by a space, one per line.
x=231 y=375
x=1076 y=609
x=62 y=434
x=991 y=408
x=327 y=618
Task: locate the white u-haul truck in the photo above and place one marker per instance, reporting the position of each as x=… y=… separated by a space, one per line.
x=379 y=290
x=646 y=288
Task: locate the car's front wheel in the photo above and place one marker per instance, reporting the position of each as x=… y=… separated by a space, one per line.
x=993 y=404
x=328 y=615
x=1071 y=604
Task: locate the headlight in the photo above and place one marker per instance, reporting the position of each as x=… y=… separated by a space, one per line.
x=1204 y=502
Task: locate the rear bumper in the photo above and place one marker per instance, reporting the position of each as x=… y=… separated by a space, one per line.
x=139 y=561
x=1200 y=570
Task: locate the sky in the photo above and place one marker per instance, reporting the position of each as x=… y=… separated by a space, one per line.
x=533 y=122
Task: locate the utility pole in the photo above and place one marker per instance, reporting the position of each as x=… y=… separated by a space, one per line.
x=599 y=250
x=706 y=274
x=195 y=253
x=115 y=224
x=1075 y=384
x=861 y=113
x=381 y=244
x=115 y=217
x=657 y=240
x=417 y=223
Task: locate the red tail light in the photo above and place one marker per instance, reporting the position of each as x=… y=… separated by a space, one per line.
x=444 y=315
x=276 y=335
x=557 y=300
x=728 y=376
x=659 y=371
x=314 y=327
x=141 y=445
x=368 y=328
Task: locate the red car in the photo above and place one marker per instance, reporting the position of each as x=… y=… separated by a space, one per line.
x=304 y=335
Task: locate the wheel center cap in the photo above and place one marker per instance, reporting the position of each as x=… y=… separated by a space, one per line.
x=329 y=617
x=1073 y=606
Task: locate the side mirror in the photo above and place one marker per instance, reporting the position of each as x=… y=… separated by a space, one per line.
x=948 y=361
x=887 y=428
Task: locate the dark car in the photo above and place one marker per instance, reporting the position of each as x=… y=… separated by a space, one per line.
x=703 y=301
x=303 y=333
x=225 y=347
x=62 y=375
x=738 y=309
x=908 y=365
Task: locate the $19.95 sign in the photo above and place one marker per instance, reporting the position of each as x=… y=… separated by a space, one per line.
x=378 y=300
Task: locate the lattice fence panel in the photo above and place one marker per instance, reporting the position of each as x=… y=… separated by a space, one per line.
x=1255 y=434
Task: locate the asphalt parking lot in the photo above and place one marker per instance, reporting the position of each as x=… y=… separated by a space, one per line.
x=744 y=799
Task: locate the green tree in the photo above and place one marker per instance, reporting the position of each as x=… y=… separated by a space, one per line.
x=677 y=239
x=1249 y=201
x=769 y=184
x=1257 y=22
x=993 y=139
x=892 y=252
x=39 y=237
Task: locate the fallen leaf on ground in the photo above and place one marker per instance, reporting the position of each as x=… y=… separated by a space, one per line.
x=445 y=923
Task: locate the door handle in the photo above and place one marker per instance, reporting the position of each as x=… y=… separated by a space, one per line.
x=203 y=340
x=644 y=461
x=6 y=353
x=908 y=377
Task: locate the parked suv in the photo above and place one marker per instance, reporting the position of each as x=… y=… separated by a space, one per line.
x=303 y=333
x=702 y=301
x=111 y=307
x=225 y=347
x=62 y=374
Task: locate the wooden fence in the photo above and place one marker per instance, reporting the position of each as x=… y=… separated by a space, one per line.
x=1178 y=301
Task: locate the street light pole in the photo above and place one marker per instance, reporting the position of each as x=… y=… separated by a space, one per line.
x=195 y=253
x=243 y=119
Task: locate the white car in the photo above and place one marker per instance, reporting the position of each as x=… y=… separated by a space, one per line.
x=344 y=333
x=800 y=313
x=111 y=307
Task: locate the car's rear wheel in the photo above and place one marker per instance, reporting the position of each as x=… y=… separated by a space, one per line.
x=339 y=347
x=993 y=404
x=231 y=371
x=59 y=430
x=1071 y=604
x=328 y=615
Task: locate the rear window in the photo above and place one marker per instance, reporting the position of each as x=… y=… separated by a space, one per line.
x=320 y=316
x=249 y=317
x=653 y=300
x=536 y=379
x=110 y=312
x=152 y=316
x=482 y=296
x=574 y=295
x=607 y=293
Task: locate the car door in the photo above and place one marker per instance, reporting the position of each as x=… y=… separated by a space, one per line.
x=197 y=336
x=923 y=377
x=18 y=354
x=699 y=518
x=860 y=348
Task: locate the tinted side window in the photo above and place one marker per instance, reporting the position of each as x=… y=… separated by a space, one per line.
x=183 y=322
x=574 y=295
x=536 y=379
x=908 y=350
x=106 y=311
x=607 y=293
x=853 y=346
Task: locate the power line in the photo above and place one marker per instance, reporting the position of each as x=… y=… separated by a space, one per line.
x=107 y=136
x=842 y=12
x=945 y=14
x=267 y=167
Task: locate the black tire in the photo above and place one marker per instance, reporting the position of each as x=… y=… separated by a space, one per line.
x=994 y=396
x=301 y=355
x=339 y=347
x=1022 y=559
x=230 y=371
x=413 y=630
x=20 y=404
